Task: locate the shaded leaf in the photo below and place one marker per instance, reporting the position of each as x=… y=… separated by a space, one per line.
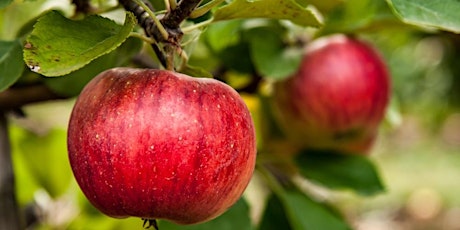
x=58 y=45
x=11 y=63
x=340 y=171
x=5 y=3
x=237 y=217
x=305 y=213
x=275 y=9
x=271 y=57
x=237 y=57
x=274 y=216
x=442 y=14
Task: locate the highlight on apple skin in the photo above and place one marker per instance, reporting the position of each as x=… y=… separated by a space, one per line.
x=337 y=98
x=156 y=144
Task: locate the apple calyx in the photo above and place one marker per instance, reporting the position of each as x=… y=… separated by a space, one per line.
x=150 y=223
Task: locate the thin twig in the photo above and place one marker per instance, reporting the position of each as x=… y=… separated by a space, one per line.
x=176 y=16
x=149 y=11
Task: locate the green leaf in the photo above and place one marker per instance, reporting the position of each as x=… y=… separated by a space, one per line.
x=223 y=34
x=17 y=17
x=275 y=9
x=305 y=213
x=271 y=57
x=11 y=63
x=224 y=40
x=26 y=184
x=58 y=45
x=321 y=5
x=274 y=216
x=237 y=57
x=4 y=3
x=196 y=71
x=46 y=159
x=340 y=171
x=442 y=14
x=71 y=84
x=237 y=217
x=351 y=16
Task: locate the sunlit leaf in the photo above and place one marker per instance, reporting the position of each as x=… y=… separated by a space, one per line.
x=46 y=159
x=275 y=9
x=340 y=171
x=58 y=45
x=442 y=14
x=322 y=5
x=223 y=34
x=71 y=84
x=11 y=63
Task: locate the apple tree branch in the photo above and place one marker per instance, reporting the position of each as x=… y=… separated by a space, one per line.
x=9 y=211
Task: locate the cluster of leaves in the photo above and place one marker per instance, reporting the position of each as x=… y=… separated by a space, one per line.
x=45 y=41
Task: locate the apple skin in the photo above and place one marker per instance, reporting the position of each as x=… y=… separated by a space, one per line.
x=157 y=144
x=338 y=97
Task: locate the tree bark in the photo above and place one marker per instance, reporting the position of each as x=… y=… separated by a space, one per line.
x=9 y=212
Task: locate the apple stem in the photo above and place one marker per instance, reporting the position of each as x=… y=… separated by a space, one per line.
x=148 y=223
x=166 y=31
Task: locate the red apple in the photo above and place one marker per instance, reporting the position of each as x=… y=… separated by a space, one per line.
x=337 y=98
x=157 y=144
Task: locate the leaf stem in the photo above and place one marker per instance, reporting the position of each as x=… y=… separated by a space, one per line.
x=272 y=182
x=172 y=4
x=200 y=11
x=189 y=29
x=142 y=37
x=184 y=58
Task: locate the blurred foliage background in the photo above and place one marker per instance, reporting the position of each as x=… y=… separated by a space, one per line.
x=417 y=152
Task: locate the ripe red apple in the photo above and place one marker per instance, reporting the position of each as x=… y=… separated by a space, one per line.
x=157 y=144
x=337 y=98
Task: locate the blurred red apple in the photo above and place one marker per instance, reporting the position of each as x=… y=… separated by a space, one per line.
x=337 y=98
x=157 y=144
